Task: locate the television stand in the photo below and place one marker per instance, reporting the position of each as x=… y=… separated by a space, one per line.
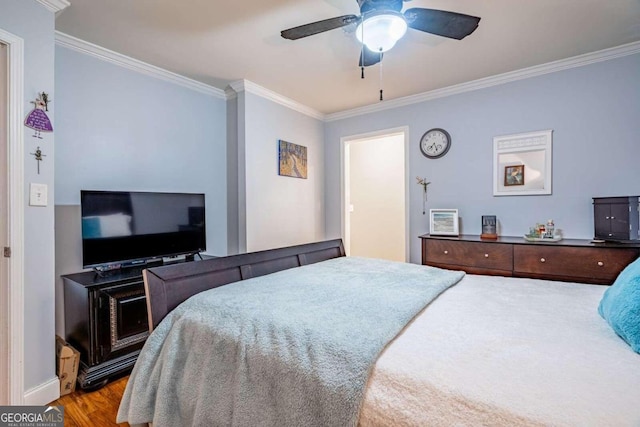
x=106 y=321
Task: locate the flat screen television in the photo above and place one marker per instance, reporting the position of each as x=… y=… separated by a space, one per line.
x=120 y=227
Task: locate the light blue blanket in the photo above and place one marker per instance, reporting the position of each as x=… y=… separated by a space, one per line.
x=293 y=348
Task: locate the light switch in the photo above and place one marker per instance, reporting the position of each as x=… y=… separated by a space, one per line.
x=38 y=194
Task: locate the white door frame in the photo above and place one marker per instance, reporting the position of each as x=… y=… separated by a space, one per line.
x=15 y=232
x=344 y=182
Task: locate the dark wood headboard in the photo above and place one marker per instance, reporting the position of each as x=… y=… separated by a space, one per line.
x=167 y=286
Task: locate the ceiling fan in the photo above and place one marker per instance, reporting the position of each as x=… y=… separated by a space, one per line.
x=381 y=24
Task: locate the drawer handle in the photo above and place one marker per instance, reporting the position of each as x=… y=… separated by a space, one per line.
x=486 y=255
x=543 y=260
x=610 y=234
x=606 y=217
x=613 y=217
x=446 y=252
x=600 y=263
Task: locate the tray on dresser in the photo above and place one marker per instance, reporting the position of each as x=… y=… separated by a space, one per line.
x=542 y=239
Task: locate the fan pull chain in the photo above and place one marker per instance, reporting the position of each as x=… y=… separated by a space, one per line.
x=381 y=91
x=362 y=55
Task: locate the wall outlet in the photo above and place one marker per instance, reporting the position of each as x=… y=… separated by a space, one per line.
x=38 y=194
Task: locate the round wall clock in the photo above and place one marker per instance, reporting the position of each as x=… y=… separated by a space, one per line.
x=435 y=143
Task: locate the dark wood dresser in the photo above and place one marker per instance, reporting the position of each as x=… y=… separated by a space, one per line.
x=572 y=260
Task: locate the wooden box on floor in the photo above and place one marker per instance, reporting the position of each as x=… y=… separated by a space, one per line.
x=67 y=360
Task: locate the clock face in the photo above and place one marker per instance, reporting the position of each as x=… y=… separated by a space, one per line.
x=435 y=143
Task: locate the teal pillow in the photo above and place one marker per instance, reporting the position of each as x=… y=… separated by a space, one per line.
x=620 y=305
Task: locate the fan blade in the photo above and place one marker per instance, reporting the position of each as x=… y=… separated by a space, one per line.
x=370 y=58
x=318 y=27
x=441 y=22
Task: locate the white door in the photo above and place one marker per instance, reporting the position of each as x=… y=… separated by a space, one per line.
x=11 y=219
x=4 y=263
x=376 y=201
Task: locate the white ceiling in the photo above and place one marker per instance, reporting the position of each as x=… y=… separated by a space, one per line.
x=217 y=42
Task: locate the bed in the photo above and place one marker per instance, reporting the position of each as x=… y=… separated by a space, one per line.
x=439 y=348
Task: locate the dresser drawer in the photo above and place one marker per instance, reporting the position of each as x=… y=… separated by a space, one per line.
x=470 y=254
x=598 y=265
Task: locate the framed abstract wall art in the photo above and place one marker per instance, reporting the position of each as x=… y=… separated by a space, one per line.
x=292 y=160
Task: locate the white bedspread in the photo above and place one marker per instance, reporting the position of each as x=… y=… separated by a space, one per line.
x=514 y=352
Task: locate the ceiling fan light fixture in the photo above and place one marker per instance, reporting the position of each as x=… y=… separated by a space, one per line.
x=380 y=31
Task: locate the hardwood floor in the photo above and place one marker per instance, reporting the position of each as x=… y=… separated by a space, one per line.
x=97 y=408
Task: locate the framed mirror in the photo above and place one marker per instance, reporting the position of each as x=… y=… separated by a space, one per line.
x=522 y=164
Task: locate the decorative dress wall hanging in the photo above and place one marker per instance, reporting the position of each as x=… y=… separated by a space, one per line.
x=37 y=118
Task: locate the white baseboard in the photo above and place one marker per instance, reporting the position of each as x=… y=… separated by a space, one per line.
x=43 y=394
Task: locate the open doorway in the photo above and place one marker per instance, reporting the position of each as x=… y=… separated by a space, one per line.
x=375 y=195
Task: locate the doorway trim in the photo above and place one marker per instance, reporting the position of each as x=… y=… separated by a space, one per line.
x=15 y=227
x=344 y=194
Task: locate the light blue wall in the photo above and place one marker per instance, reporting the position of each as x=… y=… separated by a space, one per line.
x=279 y=210
x=33 y=23
x=232 y=177
x=267 y=210
x=594 y=112
x=122 y=130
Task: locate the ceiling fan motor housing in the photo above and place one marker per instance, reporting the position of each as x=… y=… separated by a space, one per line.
x=380 y=30
x=371 y=5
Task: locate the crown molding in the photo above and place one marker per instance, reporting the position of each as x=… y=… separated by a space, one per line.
x=230 y=93
x=237 y=87
x=234 y=88
x=55 y=6
x=248 y=86
x=104 y=54
x=512 y=76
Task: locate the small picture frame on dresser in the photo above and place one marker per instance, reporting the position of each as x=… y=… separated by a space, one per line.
x=443 y=222
x=489 y=227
